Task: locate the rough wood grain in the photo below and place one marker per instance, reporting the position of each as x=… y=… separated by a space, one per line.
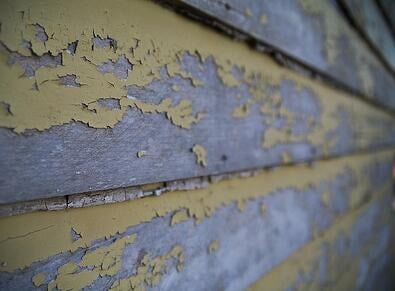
x=75 y=158
x=336 y=210
x=371 y=23
x=314 y=32
x=252 y=112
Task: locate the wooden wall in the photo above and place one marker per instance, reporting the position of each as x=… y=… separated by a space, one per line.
x=196 y=145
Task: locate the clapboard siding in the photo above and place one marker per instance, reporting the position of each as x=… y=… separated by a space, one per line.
x=314 y=32
x=369 y=19
x=388 y=8
x=236 y=231
x=167 y=109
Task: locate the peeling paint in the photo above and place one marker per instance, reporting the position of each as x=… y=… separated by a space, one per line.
x=200 y=203
x=213 y=246
x=263 y=19
x=263 y=209
x=141 y=154
x=179 y=216
x=95 y=74
x=100 y=262
x=200 y=153
x=150 y=271
x=39 y=279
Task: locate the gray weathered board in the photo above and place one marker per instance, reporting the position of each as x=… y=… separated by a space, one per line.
x=388 y=8
x=314 y=32
x=371 y=23
x=75 y=158
x=289 y=224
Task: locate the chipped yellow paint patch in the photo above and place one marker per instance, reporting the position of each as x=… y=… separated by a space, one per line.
x=200 y=153
x=248 y=12
x=180 y=115
x=263 y=19
x=213 y=246
x=141 y=154
x=179 y=216
x=32 y=237
x=147 y=36
x=99 y=262
x=325 y=198
x=150 y=271
x=242 y=110
x=263 y=209
x=286 y=158
x=39 y=279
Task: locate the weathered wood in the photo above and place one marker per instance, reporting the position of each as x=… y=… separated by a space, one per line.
x=315 y=33
x=388 y=8
x=216 y=108
x=336 y=217
x=371 y=23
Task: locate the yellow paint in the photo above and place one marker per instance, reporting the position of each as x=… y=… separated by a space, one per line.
x=180 y=115
x=263 y=209
x=149 y=38
x=150 y=271
x=179 y=216
x=263 y=19
x=213 y=246
x=99 y=262
x=335 y=27
x=32 y=237
x=325 y=198
x=242 y=111
x=286 y=157
x=200 y=153
x=141 y=154
x=248 y=12
x=306 y=261
x=39 y=279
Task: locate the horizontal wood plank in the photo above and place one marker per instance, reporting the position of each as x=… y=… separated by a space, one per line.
x=338 y=209
x=194 y=106
x=370 y=21
x=388 y=8
x=315 y=33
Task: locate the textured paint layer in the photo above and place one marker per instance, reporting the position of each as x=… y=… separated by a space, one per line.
x=134 y=244
x=144 y=41
x=48 y=233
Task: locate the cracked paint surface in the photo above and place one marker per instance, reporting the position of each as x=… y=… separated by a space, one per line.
x=321 y=38
x=119 y=243
x=139 y=86
x=106 y=60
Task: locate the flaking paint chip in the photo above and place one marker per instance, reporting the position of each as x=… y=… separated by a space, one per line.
x=200 y=153
x=263 y=19
x=39 y=279
x=263 y=209
x=141 y=154
x=213 y=246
